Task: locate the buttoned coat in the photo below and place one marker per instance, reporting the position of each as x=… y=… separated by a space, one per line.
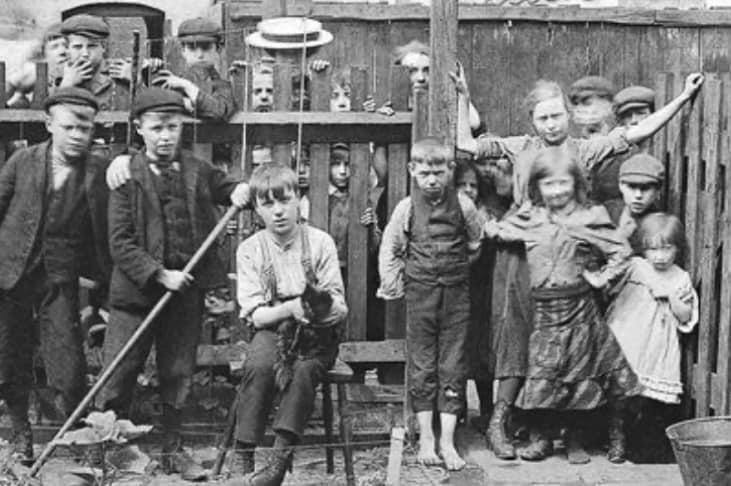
x=137 y=229
x=23 y=182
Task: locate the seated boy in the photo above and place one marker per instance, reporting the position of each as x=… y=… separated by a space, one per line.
x=640 y=181
x=207 y=94
x=157 y=220
x=428 y=244
x=288 y=284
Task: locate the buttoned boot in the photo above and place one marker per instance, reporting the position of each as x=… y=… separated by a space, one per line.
x=275 y=467
x=617 y=441
x=497 y=438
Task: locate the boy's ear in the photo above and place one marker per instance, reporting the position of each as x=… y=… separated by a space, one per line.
x=136 y=122
x=451 y=164
x=412 y=167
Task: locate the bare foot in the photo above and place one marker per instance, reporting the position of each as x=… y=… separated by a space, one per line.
x=427 y=452
x=452 y=460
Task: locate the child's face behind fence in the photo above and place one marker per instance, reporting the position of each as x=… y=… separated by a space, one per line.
x=467 y=185
x=161 y=133
x=432 y=179
x=279 y=214
x=56 y=51
x=639 y=198
x=557 y=190
x=418 y=65
x=633 y=116
x=551 y=120
x=262 y=94
x=340 y=169
x=340 y=98
x=200 y=53
x=662 y=256
x=82 y=48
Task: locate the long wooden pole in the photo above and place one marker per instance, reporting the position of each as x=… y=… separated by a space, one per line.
x=104 y=377
x=443 y=57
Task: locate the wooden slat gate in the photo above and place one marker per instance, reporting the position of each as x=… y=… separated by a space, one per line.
x=695 y=148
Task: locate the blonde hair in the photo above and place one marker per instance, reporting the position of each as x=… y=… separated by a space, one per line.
x=544 y=90
x=432 y=151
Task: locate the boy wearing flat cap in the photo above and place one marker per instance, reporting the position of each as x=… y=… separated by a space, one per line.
x=631 y=105
x=591 y=106
x=207 y=95
x=641 y=177
x=52 y=230
x=86 y=67
x=157 y=220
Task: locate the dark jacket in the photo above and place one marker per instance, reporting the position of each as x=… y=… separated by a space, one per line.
x=137 y=233
x=23 y=181
x=215 y=99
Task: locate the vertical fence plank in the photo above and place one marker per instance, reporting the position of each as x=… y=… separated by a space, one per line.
x=40 y=90
x=360 y=87
x=3 y=95
x=707 y=251
x=675 y=153
x=659 y=141
x=400 y=88
x=693 y=160
x=420 y=117
x=320 y=90
x=282 y=152
x=358 y=242
x=319 y=183
x=724 y=319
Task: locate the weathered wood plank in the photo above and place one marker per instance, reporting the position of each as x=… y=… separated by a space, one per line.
x=320 y=90
x=724 y=319
x=3 y=95
x=689 y=179
x=358 y=242
x=40 y=89
x=319 y=183
x=675 y=153
x=388 y=351
x=708 y=331
x=659 y=141
x=420 y=115
x=442 y=104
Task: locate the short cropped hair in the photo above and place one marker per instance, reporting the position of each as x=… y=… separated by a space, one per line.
x=431 y=151
x=272 y=181
x=552 y=160
x=543 y=90
x=82 y=112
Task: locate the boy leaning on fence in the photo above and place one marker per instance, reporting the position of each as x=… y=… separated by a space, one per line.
x=426 y=252
x=291 y=294
x=157 y=220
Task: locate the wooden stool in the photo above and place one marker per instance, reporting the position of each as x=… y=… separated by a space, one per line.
x=340 y=374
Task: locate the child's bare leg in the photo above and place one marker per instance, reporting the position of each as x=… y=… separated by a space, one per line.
x=452 y=460
x=427 y=444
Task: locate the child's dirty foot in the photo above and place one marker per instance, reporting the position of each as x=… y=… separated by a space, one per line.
x=452 y=460
x=427 y=453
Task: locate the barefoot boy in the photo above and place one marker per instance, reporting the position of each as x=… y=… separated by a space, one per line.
x=428 y=245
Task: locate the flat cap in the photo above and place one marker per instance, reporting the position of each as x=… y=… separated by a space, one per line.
x=199 y=30
x=71 y=96
x=86 y=25
x=634 y=97
x=591 y=86
x=159 y=100
x=642 y=169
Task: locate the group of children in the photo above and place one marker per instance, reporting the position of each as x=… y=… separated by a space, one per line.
x=585 y=307
x=543 y=263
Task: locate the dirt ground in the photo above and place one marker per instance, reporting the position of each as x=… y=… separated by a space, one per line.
x=370 y=469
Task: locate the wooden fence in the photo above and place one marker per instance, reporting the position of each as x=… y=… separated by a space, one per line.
x=695 y=147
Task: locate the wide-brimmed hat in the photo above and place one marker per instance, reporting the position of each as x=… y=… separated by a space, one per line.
x=282 y=33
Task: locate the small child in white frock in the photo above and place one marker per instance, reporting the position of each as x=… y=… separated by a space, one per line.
x=656 y=302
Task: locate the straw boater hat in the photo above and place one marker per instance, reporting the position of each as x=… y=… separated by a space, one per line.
x=282 y=33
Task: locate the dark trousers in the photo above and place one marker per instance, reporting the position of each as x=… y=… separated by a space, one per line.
x=438 y=318
x=54 y=306
x=258 y=391
x=175 y=333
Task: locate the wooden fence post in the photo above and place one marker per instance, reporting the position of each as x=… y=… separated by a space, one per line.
x=443 y=57
x=282 y=152
x=40 y=90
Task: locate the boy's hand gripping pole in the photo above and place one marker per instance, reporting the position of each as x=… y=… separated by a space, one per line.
x=104 y=377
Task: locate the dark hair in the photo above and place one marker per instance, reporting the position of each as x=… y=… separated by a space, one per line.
x=272 y=181
x=462 y=167
x=547 y=162
x=661 y=229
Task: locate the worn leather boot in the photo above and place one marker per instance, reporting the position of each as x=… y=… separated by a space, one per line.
x=273 y=472
x=21 y=435
x=242 y=460
x=175 y=459
x=497 y=438
x=617 y=452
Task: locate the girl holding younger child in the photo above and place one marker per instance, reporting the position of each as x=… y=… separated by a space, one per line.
x=574 y=363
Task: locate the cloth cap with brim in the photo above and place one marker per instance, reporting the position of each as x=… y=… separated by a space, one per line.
x=52 y=32
x=87 y=25
x=642 y=169
x=158 y=100
x=634 y=97
x=71 y=96
x=199 y=30
x=286 y=33
x=591 y=86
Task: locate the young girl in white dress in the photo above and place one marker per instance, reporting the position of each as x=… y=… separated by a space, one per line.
x=656 y=302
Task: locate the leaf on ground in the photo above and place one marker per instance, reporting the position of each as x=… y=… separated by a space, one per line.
x=130 y=459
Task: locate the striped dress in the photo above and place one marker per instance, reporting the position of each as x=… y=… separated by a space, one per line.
x=574 y=362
